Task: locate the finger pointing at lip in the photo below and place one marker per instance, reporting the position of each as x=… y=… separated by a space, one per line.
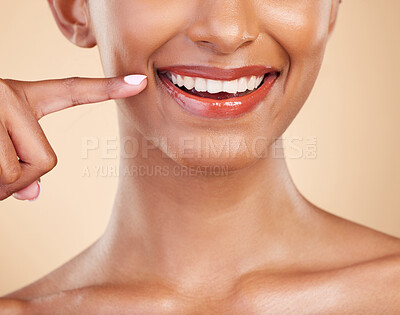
x=25 y=153
x=49 y=96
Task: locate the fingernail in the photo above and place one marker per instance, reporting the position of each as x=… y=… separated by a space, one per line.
x=17 y=196
x=33 y=189
x=134 y=79
x=40 y=190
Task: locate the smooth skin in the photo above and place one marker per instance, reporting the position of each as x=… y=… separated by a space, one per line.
x=244 y=243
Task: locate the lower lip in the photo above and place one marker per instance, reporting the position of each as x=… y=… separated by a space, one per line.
x=221 y=109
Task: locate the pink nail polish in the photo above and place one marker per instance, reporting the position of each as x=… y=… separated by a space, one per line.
x=40 y=190
x=17 y=196
x=134 y=79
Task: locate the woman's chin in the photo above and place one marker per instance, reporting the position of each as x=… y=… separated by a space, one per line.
x=215 y=164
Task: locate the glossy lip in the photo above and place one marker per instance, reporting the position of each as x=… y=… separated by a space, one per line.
x=220 y=109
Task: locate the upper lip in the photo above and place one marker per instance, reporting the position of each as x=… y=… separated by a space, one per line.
x=214 y=73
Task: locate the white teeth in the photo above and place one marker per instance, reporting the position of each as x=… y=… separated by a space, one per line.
x=258 y=81
x=216 y=86
x=174 y=80
x=180 y=81
x=188 y=82
x=251 y=85
x=242 y=86
x=200 y=85
x=230 y=86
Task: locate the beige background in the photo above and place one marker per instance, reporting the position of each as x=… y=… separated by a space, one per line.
x=354 y=113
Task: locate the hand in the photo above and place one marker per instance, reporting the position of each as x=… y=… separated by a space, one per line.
x=25 y=153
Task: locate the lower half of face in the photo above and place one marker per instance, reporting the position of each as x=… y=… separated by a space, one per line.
x=225 y=78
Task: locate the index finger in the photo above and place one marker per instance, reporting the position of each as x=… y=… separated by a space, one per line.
x=49 y=96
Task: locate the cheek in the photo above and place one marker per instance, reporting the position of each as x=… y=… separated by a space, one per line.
x=129 y=32
x=301 y=29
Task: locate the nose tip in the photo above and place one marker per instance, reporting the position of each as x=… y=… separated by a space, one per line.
x=226 y=42
x=224 y=25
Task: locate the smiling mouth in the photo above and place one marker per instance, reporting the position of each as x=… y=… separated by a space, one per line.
x=218 y=93
x=216 y=89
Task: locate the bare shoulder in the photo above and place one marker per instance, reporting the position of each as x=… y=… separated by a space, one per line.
x=345 y=266
x=371 y=287
x=68 y=283
x=350 y=243
x=72 y=274
x=105 y=299
x=340 y=266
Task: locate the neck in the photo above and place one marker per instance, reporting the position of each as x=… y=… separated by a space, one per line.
x=180 y=226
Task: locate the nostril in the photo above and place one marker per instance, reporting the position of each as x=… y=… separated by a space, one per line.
x=207 y=44
x=204 y=43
